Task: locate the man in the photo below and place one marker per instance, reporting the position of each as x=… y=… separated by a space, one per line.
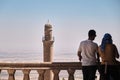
x=87 y=53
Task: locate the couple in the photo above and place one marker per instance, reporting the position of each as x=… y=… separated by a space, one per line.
x=89 y=54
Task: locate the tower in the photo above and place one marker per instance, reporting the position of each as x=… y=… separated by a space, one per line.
x=48 y=41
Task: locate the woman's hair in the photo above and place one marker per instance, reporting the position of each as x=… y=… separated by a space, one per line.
x=107 y=39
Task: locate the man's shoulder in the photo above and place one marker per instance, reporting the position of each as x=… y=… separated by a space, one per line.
x=88 y=42
x=84 y=41
x=95 y=44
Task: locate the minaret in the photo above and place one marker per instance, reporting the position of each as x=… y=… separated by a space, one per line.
x=48 y=43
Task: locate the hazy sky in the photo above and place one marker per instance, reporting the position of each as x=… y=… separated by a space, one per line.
x=22 y=23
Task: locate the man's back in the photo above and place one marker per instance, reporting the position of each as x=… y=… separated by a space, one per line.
x=88 y=52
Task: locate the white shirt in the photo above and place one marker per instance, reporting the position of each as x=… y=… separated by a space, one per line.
x=88 y=51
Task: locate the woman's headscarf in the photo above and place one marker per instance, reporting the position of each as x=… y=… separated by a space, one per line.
x=107 y=39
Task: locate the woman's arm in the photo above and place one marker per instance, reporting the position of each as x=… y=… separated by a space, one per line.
x=116 y=52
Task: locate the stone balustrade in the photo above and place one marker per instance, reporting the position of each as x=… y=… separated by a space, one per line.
x=41 y=68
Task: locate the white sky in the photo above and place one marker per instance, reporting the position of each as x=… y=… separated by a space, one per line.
x=22 y=23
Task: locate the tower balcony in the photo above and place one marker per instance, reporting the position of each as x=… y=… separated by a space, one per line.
x=48 y=39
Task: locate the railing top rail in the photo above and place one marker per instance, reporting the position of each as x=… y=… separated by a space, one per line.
x=45 y=65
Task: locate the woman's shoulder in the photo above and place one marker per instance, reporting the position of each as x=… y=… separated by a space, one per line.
x=114 y=45
x=111 y=45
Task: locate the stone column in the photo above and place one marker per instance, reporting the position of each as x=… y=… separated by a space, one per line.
x=56 y=74
x=71 y=74
x=41 y=74
x=26 y=73
x=11 y=73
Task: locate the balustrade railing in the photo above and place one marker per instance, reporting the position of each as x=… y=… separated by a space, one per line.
x=41 y=68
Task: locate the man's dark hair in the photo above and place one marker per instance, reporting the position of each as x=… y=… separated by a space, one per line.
x=92 y=32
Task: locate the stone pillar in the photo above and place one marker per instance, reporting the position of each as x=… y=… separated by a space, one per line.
x=26 y=73
x=71 y=74
x=56 y=74
x=11 y=73
x=48 y=41
x=41 y=74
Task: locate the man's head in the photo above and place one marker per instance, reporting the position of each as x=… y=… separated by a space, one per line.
x=92 y=34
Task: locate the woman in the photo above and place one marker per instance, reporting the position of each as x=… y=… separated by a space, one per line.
x=108 y=53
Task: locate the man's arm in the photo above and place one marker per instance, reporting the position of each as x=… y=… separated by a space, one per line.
x=98 y=58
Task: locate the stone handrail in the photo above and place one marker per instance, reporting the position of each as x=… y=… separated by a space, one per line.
x=41 y=68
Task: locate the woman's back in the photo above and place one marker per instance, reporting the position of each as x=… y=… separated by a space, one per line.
x=109 y=55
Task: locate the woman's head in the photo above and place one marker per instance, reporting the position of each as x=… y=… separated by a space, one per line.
x=107 y=39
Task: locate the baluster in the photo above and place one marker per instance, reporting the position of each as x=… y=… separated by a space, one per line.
x=26 y=74
x=41 y=74
x=56 y=74
x=11 y=73
x=0 y=73
x=71 y=74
